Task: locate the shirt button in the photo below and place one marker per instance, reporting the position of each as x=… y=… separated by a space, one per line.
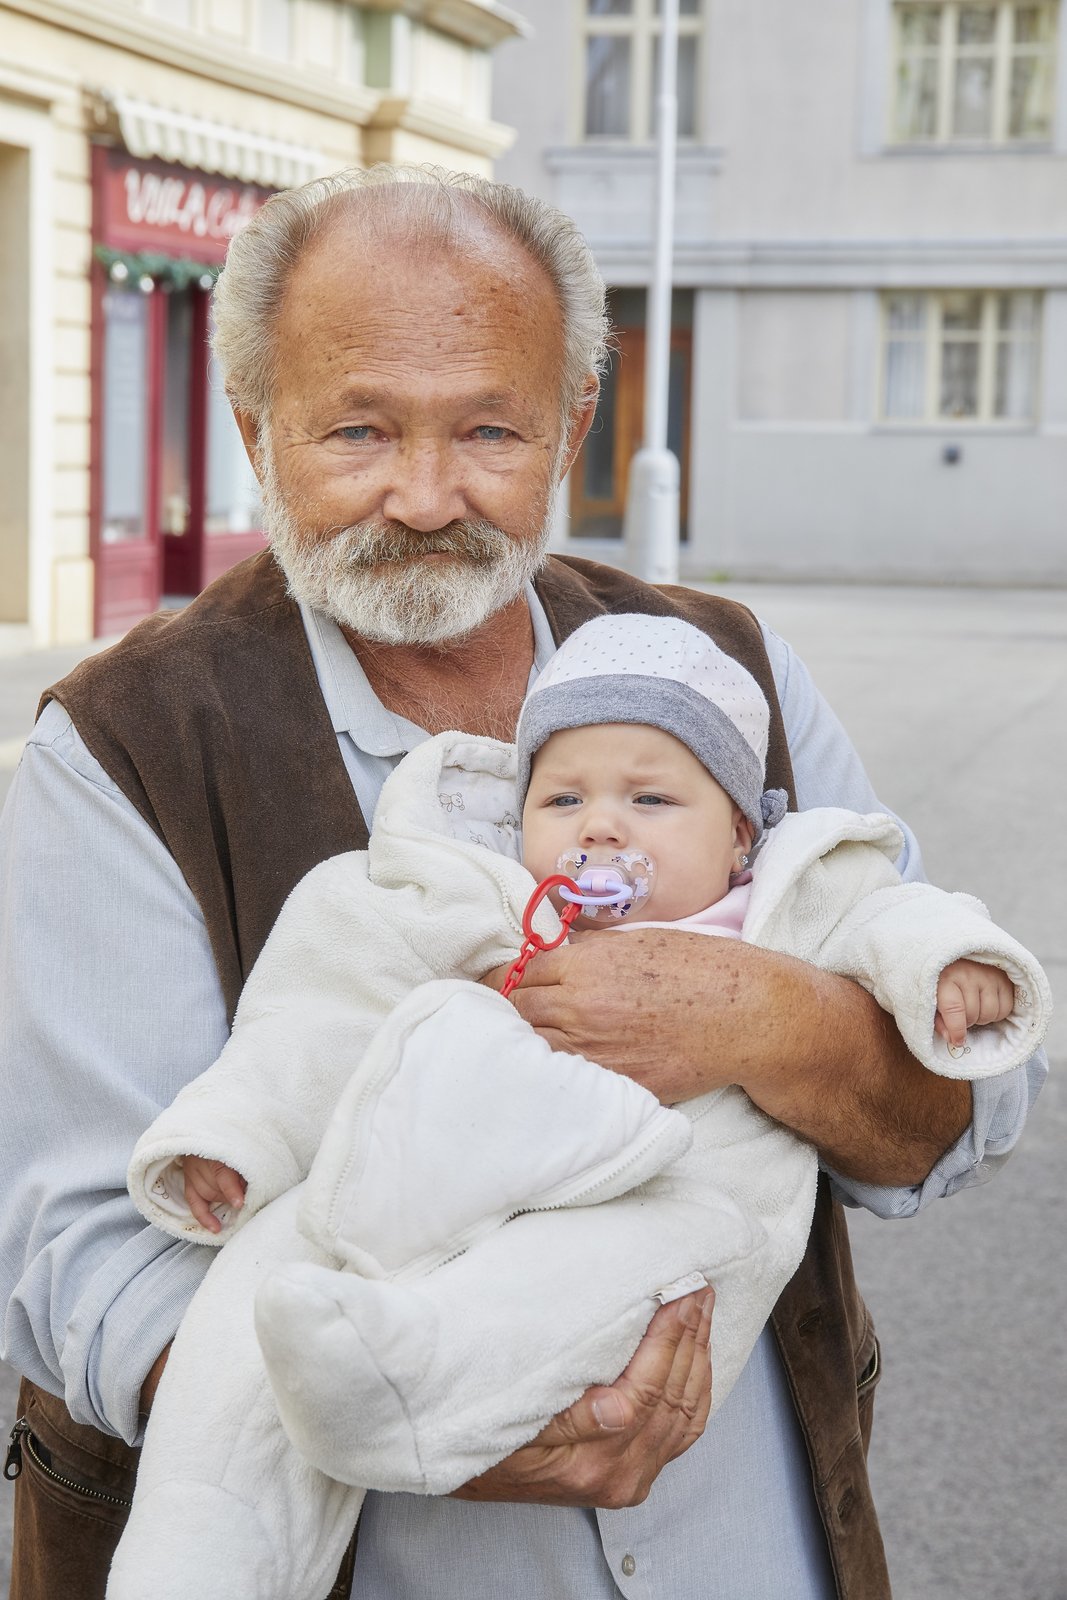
x=629 y=1566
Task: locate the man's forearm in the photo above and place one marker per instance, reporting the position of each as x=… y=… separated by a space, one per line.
x=845 y=1080
x=813 y=1050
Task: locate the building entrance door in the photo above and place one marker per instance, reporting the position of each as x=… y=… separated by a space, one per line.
x=599 y=477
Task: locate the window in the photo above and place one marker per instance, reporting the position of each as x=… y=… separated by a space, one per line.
x=974 y=73
x=620 y=53
x=965 y=355
x=125 y=406
x=274 y=28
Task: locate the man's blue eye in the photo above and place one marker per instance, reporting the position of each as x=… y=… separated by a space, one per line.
x=491 y=434
x=359 y=434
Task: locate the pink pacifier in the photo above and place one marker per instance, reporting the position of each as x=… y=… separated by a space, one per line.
x=589 y=887
x=612 y=886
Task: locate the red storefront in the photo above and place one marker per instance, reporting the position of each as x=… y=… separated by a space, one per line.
x=173 y=498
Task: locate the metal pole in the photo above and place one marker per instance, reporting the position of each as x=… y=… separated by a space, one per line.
x=651 y=532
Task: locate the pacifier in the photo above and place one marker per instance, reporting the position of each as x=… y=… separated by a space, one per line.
x=610 y=887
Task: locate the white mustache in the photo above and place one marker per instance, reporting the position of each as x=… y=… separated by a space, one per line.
x=374 y=544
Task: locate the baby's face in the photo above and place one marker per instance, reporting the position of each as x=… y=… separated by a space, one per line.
x=618 y=786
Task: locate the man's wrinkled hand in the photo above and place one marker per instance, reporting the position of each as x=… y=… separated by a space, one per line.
x=662 y=1007
x=610 y=1446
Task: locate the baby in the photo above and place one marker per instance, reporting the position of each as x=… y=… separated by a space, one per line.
x=601 y=792
x=411 y=1338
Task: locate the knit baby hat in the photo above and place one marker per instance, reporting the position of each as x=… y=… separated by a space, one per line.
x=663 y=673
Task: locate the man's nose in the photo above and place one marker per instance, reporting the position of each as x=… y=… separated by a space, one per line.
x=425 y=491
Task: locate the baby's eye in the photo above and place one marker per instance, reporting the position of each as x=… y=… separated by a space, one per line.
x=651 y=800
x=564 y=800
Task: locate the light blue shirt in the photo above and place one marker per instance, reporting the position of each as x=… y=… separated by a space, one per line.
x=110 y=1003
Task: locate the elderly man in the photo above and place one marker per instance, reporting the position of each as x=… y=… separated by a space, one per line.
x=412 y=363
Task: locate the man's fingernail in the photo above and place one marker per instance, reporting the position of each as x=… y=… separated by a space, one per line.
x=608 y=1411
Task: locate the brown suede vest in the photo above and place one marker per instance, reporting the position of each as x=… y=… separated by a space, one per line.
x=211 y=722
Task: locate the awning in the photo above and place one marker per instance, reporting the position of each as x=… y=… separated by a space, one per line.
x=153 y=131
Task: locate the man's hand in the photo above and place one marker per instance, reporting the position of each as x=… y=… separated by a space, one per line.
x=608 y=1449
x=151 y=1383
x=645 y=1003
x=682 y=1014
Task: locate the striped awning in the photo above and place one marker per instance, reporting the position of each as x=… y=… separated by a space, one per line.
x=151 y=131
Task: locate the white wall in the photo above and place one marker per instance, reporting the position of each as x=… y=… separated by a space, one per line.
x=789 y=100
x=793 y=214
x=791 y=493
x=533 y=82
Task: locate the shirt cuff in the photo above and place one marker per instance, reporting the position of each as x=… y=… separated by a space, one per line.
x=109 y=1349
x=1000 y=1106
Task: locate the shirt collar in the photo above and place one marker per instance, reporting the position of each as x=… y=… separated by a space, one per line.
x=353 y=706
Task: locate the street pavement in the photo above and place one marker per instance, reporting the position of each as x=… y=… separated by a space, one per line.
x=957 y=701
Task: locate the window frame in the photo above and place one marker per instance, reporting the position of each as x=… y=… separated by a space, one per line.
x=990 y=337
x=641 y=27
x=948 y=53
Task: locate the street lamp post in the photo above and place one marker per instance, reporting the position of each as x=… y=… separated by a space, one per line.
x=651 y=526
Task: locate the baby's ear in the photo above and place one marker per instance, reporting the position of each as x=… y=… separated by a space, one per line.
x=743 y=831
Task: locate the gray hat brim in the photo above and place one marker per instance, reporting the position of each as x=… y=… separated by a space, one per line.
x=654 y=702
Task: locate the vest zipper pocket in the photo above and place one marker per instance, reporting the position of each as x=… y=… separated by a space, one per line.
x=871 y=1372
x=13 y=1459
x=23 y=1440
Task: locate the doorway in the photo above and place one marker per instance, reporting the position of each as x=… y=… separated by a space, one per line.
x=600 y=474
x=175 y=500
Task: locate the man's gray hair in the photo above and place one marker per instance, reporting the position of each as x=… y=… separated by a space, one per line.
x=429 y=204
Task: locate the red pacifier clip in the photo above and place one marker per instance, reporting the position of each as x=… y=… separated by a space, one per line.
x=533 y=941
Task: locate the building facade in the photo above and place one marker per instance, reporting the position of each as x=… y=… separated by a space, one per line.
x=136 y=136
x=869 y=358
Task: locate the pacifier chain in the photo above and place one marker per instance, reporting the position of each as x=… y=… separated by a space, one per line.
x=614 y=886
x=533 y=941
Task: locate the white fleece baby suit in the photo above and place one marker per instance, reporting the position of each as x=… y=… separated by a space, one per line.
x=412 y=1339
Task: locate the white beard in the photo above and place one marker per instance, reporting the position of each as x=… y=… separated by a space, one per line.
x=369 y=577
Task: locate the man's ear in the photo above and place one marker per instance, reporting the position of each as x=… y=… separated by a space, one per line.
x=581 y=421
x=248 y=428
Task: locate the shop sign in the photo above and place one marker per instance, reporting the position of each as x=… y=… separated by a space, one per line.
x=154 y=206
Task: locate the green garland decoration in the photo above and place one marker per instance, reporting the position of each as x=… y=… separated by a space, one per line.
x=177 y=271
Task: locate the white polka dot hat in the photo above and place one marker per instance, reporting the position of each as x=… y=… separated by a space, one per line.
x=664 y=673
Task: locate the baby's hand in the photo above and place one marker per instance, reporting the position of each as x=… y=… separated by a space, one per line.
x=969 y=993
x=211 y=1183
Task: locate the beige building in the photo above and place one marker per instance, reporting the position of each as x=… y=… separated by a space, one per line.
x=135 y=137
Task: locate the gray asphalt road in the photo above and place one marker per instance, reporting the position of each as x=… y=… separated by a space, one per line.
x=957 y=700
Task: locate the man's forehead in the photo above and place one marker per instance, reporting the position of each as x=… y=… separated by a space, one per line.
x=470 y=246
x=365 y=310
